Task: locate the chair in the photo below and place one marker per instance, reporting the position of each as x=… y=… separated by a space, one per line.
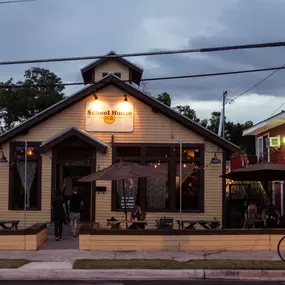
x=164 y=223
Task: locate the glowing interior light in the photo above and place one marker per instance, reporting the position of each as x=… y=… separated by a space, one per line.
x=125 y=107
x=30 y=152
x=97 y=105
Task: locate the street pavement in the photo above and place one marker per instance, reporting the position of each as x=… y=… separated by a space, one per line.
x=135 y=282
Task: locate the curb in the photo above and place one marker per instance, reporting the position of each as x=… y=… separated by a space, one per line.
x=139 y=274
x=82 y=275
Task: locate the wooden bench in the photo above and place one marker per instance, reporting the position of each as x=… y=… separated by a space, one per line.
x=206 y=224
x=13 y=224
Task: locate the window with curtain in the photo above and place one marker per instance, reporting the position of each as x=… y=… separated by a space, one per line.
x=162 y=193
x=191 y=185
x=131 y=193
x=157 y=196
x=25 y=178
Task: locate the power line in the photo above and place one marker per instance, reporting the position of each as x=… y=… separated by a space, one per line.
x=258 y=83
x=278 y=108
x=153 y=78
x=17 y=1
x=201 y=50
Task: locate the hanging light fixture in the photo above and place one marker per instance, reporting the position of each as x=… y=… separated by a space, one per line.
x=95 y=96
x=215 y=159
x=3 y=157
x=126 y=97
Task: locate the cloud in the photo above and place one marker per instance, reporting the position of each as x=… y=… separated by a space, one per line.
x=245 y=22
x=65 y=28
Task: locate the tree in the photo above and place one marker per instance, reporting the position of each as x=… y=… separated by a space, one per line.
x=214 y=121
x=187 y=112
x=204 y=122
x=19 y=104
x=235 y=135
x=164 y=98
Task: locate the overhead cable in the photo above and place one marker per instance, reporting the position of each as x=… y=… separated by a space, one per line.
x=154 y=53
x=151 y=78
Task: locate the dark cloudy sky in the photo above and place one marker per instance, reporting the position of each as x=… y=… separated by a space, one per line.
x=63 y=28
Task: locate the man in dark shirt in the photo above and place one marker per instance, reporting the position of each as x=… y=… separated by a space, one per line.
x=75 y=205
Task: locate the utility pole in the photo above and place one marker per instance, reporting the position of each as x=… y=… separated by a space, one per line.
x=225 y=93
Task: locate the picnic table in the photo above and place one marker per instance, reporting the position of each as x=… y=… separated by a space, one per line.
x=206 y=224
x=257 y=223
x=13 y=224
x=136 y=223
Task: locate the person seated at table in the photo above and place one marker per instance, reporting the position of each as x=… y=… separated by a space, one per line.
x=271 y=217
x=138 y=214
x=251 y=215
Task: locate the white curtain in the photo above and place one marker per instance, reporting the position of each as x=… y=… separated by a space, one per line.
x=31 y=171
x=157 y=189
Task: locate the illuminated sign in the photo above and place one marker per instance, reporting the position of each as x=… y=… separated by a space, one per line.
x=109 y=117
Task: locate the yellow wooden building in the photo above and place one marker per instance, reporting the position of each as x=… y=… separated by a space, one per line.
x=105 y=122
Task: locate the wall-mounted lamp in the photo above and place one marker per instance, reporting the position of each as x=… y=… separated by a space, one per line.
x=95 y=96
x=126 y=97
x=3 y=157
x=215 y=159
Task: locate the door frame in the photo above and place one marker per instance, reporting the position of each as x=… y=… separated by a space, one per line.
x=54 y=158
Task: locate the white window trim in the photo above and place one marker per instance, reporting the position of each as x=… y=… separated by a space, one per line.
x=257 y=146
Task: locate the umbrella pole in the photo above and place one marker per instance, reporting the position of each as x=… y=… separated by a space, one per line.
x=125 y=203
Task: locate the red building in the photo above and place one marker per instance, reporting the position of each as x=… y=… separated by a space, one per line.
x=270 y=147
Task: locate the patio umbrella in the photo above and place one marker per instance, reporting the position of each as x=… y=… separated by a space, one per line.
x=258 y=172
x=122 y=171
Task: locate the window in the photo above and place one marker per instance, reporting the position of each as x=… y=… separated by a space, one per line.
x=118 y=74
x=191 y=186
x=17 y=177
x=162 y=193
x=122 y=152
x=157 y=189
x=263 y=153
x=131 y=193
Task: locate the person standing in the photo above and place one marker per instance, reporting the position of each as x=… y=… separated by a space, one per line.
x=75 y=204
x=58 y=217
x=67 y=191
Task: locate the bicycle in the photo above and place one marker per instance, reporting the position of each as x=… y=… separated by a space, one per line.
x=281 y=248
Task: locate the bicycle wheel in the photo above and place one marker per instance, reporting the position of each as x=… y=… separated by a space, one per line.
x=281 y=248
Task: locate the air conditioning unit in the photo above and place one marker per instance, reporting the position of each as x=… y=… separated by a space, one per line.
x=273 y=142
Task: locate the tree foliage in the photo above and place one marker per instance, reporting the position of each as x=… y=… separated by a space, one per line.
x=164 y=98
x=233 y=131
x=19 y=104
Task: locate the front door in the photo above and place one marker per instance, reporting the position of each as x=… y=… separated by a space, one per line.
x=77 y=172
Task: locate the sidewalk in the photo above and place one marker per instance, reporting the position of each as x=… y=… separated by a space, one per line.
x=72 y=255
x=57 y=265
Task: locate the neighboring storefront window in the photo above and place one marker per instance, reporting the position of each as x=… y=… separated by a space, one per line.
x=19 y=171
x=162 y=192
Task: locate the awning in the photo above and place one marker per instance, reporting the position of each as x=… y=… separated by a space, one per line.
x=73 y=131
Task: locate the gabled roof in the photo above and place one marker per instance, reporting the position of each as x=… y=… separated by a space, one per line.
x=266 y=125
x=71 y=132
x=136 y=93
x=87 y=71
